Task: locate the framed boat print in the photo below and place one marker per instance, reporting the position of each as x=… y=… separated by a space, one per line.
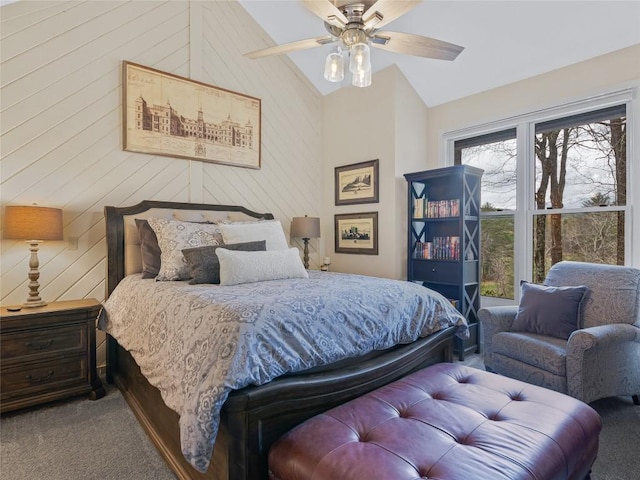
x=357 y=233
x=169 y=115
x=357 y=183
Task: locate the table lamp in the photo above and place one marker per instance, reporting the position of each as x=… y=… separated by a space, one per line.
x=34 y=225
x=305 y=228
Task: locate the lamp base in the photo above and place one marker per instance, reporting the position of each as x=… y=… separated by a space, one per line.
x=34 y=299
x=306 y=253
x=34 y=303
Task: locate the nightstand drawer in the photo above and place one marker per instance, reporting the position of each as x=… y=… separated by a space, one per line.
x=48 y=353
x=42 y=376
x=29 y=345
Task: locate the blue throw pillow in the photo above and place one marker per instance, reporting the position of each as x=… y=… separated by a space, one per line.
x=553 y=311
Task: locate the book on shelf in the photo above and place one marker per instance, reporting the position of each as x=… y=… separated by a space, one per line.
x=440 y=248
x=443 y=208
x=418 y=208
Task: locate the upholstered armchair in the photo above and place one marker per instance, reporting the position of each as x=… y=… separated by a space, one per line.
x=600 y=358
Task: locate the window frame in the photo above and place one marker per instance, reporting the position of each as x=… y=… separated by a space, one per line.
x=525 y=211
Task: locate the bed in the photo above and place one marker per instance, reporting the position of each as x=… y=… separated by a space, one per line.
x=254 y=416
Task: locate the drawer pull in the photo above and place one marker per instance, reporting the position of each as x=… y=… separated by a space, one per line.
x=40 y=379
x=41 y=346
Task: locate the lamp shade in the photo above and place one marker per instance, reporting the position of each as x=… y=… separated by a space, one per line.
x=361 y=79
x=32 y=223
x=334 y=67
x=360 y=59
x=305 y=227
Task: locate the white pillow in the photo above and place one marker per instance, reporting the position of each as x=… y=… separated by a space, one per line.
x=269 y=230
x=174 y=236
x=238 y=267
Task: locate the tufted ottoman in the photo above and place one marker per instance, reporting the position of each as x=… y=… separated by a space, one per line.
x=446 y=422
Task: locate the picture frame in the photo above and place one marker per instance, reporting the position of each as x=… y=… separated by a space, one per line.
x=356 y=233
x=357 y=183
x=165 y=114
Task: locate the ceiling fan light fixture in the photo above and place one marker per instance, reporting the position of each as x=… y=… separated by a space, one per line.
x=353 y=35
x=334 y=66
x=355 y=27
x=361 y=79
x=360 y=61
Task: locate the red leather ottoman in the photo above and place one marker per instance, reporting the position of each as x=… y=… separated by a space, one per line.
x=445 y=422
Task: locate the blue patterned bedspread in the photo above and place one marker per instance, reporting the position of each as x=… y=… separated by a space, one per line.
x=196 y=343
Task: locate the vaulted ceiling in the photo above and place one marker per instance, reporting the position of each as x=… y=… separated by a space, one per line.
x=505 y=41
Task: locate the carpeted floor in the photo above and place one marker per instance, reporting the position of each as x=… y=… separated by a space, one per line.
x=80 y=439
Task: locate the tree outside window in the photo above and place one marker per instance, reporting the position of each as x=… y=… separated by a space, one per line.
x=578 y=203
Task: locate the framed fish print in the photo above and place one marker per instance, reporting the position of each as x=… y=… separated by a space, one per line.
x=357 y=183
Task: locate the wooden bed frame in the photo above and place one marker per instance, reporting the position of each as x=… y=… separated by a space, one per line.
x=254 y=417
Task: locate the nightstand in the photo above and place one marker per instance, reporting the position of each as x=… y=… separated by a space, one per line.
x=48 y=353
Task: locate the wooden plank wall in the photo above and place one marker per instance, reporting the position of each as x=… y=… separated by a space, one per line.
x=61 y=125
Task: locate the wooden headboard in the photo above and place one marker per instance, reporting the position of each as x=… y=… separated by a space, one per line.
x=123 y=243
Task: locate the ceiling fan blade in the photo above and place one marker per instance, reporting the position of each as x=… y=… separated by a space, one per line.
x=291 y=47
x=386 y=11
x=327 y=11
x=417 y=45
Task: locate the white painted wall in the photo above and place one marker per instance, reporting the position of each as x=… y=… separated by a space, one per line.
x=386 y=121
x=412 y=152
x=61 y=125
x=596 y=76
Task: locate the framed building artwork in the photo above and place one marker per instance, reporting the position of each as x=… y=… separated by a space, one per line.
x=165 y=114
x=357 y=183
x=357 y=233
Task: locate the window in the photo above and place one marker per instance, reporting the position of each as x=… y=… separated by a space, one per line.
x=580 y=170
x=496 y=154
x=552 y=190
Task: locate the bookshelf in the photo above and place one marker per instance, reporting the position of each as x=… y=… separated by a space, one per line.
x=444 y=239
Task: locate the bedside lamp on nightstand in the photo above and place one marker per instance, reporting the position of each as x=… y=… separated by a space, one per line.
x=305 y=228
x=34 y=225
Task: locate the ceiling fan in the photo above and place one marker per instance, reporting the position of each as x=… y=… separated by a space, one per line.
x=353 y=26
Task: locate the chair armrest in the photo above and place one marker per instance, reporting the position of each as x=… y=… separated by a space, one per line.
x=498 y=319
x=494 y=320
x=602 y=336
x=603 y=361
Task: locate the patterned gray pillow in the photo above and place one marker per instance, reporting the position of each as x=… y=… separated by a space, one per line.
x=149 y=249
x=204 y=264
x=174 y=236
x=553 y=311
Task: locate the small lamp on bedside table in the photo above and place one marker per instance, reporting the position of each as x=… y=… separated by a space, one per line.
x=305 y=228
x=34 y=225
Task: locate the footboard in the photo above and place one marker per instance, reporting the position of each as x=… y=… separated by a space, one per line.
x=254 y=417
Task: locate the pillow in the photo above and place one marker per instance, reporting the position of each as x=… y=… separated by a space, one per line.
x=203 y=262
x=149 y=249
x=553 y=311
x=269 y=230
x=246 y=267
x=175 y=236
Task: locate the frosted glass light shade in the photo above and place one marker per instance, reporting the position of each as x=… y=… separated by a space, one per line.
x=334 y=67
x=360 y=61
x=361 y=79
